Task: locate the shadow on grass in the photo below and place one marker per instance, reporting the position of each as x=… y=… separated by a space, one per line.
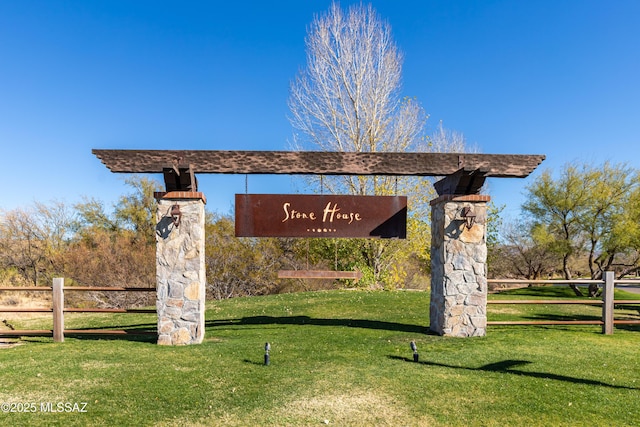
x=628 y=307
x=253 y=362
x=541 y=291
x=129 y=335
x=569 y=317
x=306 y=320
x=631 y=292
x=562 y=317
x=143 y=332
x=151 y=338
x=506 y=367
x=631 y=328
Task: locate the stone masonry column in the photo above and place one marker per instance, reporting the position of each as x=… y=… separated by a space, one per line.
x=180 y=267
x=458 y=266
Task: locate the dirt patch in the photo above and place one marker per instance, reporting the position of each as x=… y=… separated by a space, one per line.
x=360 y=408
x=9 y=343
x=496 y=288
x=504 y=310
x=357 y=408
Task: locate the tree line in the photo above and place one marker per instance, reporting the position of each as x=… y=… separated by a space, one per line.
x=580 y=223
x=91 y=245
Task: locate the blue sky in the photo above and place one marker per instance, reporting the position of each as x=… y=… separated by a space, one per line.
x=553 y=77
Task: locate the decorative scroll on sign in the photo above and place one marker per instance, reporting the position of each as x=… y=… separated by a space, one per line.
x=283 y=215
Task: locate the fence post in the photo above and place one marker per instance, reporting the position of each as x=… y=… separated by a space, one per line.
x=58 y=309
x=607 y=303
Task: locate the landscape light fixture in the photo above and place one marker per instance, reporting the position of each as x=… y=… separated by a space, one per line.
x=267 y=348
x=176 y=215
x=414 y=348
x=468 y=217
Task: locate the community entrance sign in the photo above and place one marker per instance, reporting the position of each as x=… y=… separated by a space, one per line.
x=295 y=215
x=458 y=215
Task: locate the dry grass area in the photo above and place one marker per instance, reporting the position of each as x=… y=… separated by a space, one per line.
x=25 y=299
x=22 y=300
x=340 y=408
x=360 y=407
x=499 y=287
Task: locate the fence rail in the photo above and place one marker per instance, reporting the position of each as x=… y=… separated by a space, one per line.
x=607 y=302
x=58 y=309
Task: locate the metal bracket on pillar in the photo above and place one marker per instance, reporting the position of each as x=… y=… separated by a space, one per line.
x=180 y=178
x=462 y=182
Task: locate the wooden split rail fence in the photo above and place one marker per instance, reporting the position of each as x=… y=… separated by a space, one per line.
x=607 y=302
x=58 y=309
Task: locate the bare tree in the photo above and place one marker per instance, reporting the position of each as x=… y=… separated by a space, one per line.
x=526 y=253
x=444 y=140
x=238 y=267
x=347 y=98
x=32 y=240
x=23 y=244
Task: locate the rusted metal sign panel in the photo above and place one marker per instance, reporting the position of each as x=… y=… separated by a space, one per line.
x=287 y=215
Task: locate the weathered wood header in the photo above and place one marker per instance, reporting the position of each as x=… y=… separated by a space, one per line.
x=318 y=162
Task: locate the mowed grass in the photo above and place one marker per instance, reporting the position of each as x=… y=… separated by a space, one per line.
x=339 y=358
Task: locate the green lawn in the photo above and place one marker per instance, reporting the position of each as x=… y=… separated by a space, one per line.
x=338 y=357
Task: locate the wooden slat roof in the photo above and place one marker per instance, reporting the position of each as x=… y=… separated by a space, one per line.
x=318 y=162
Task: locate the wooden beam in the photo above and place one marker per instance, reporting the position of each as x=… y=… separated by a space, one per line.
x=194 y=181
x=319 y=162
x=319 y=274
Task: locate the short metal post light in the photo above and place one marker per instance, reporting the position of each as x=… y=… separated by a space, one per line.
x=414 y=348
x=267 y=348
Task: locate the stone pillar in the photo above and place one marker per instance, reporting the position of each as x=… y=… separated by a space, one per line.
x=180 y=268
x=458 y=266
